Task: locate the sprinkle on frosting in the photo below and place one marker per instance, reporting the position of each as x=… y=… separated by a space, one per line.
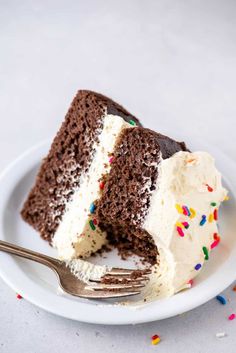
x=205 y=251
x=92 y=208
x=190 y=282
x=132 y=122
x=209 y=188
x=179 y=208
x=180 y=231
x=193 y=212
x=215 y=214
x=221 y=299
x=111 y=159
x=226 y=198
x=210 y=218
x=203 y=220
x=95 y=222
x=185 y=224
x=213 y=204
x=216 y=236
x=101 y=185
x=186 y=211
x=92 y=226
x=155 y=339
x=216 y=242
x=197 y=267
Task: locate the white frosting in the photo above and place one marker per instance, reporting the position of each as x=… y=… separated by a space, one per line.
x=85 y=271
x=182 y=180
x=74 y=236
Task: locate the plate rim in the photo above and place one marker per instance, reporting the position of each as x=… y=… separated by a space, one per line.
x=111 y=314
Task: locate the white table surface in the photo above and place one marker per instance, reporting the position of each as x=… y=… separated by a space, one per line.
x=171 y=61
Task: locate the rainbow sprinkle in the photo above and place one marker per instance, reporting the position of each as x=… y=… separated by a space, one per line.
x=132 y=122
x=101 y=185
x=205 y=251
x=92 y=226
x=213 y=204
x=221 y=299
x=210 y=218
x=111 y=159
x=155 y=339
x=190 y=212
x=179 y=208
x=92 y=208
x=197 y=267
x=203 y=220
x=209 y=188
x=226 y=198
x=95 y=222
x=190 y=282
x=215 y=214
x=234 y=289
x=216 y=242
x=186 y=211
x=232 y=317
x=182 y=225
x=180 y=231
x=193 y=212
x=185 y=224
x=18 y=296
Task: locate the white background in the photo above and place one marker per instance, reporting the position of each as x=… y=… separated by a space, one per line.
x=168 y=61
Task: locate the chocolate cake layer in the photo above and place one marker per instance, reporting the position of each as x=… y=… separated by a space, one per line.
x=125 y=201
x=70 y=155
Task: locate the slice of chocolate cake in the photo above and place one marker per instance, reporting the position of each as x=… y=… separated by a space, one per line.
x=108 y=180
x=60 y=205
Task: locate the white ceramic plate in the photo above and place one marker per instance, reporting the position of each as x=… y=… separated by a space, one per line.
x=38 y=284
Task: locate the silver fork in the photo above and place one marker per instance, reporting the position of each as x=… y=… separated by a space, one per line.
x=122 y=282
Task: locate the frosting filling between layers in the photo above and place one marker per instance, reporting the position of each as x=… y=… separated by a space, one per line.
x=182 y=219
x=77 y=234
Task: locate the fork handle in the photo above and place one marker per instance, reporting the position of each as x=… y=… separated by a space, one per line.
x=28 y=254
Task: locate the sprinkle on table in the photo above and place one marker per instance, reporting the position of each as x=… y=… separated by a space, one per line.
x=205 y=251
x=155 y=340
x=234 y=289
x=221 y=299
x=232 y=317
x=18 y=296
x=92 y=226
x=132 y=122
x=197 y=267
x=92 y=208
x=203 y=220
